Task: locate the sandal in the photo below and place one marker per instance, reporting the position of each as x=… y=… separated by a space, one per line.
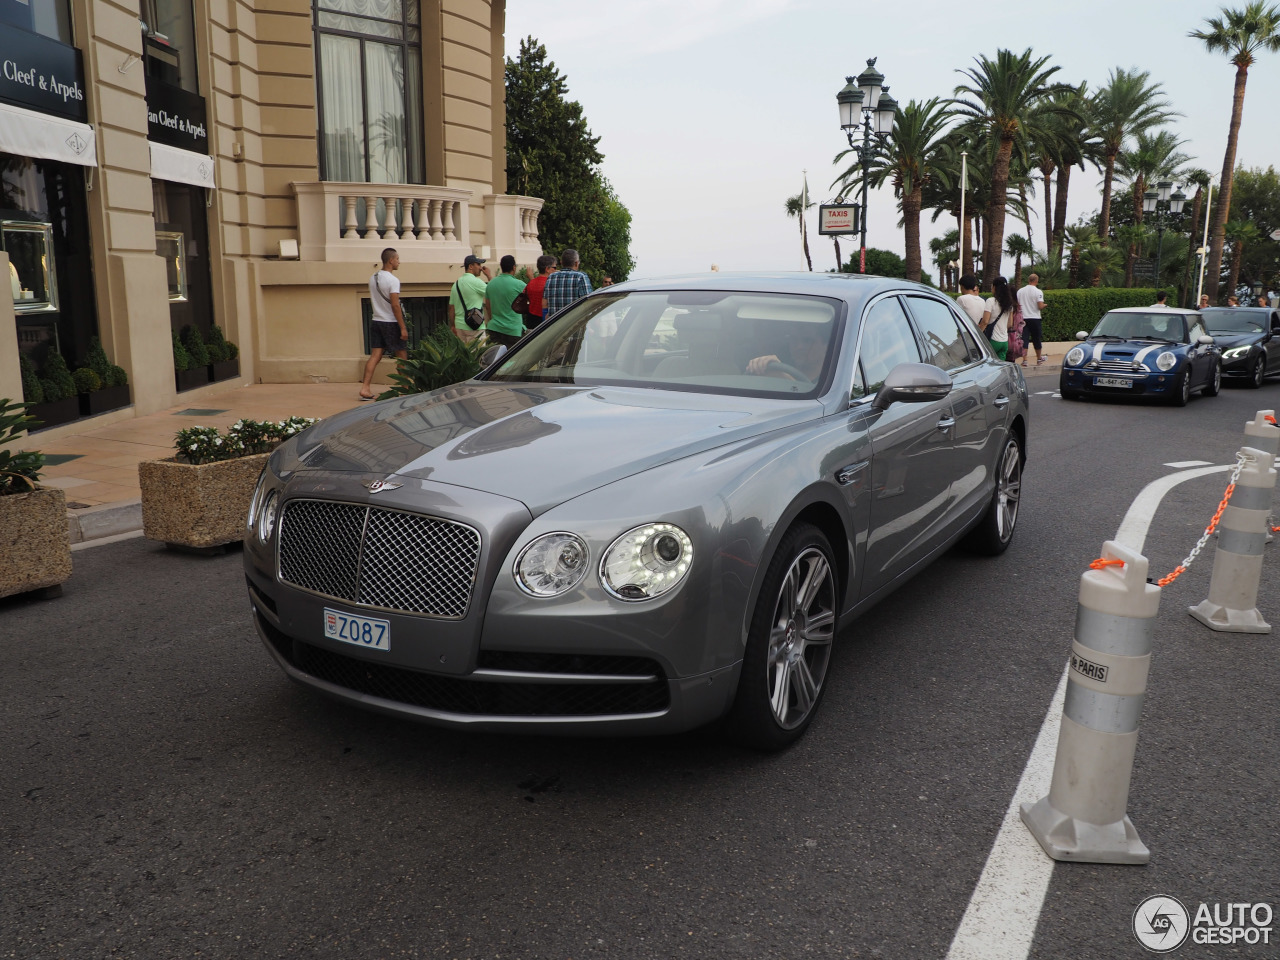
x=363 y=397
x=1041 y=360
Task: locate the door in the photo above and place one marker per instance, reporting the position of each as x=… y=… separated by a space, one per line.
x=911 y=447
x=1272 y=344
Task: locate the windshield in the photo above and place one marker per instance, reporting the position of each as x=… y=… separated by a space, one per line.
x=1236 y=321
x=1156 y=325
x=750 y=344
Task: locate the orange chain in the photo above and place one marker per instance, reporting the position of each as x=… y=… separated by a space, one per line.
x=1208 y=532
x=1101 y=564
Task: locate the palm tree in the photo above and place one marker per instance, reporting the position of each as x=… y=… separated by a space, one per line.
x=1240 y=233
x=1151 y=159
x=797 y=206
x=1080 y=145
x=1126 y=106
x=1240 y=34
x=1018 y=246
x=910 y=158
x=944 y=250
x=1081 y=240
x=1198 y=178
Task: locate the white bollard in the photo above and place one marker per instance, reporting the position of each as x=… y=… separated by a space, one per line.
x=1083 y=818
x=1264 y=435
x=1237 y=562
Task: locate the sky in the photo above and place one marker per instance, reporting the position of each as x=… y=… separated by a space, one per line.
x=710 y=112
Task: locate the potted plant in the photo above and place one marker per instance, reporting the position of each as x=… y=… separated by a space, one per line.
x=198 y=499
x=35 y=549
x=188 y=373
x=112 y=390
x=58 y=403
x=441 y=359
x=224 y=355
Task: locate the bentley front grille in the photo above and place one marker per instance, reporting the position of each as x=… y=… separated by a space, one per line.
x=387 y=559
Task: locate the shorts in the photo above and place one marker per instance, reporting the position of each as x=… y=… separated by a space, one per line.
x=386 y=336
x=467 y=335
x=1032 y=332
x=506 y=339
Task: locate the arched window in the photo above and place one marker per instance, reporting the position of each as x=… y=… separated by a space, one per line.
x=369 y=84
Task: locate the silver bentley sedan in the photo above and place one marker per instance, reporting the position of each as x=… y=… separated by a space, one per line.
x=656 y=511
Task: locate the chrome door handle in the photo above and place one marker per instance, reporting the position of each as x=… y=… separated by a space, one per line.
x=946 y=423
x=846 y=475
x=1002 y=402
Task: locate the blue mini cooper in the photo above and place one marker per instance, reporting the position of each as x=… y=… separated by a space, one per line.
x=1144 y=352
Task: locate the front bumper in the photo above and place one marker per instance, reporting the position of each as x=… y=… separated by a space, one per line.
x=1139 y=384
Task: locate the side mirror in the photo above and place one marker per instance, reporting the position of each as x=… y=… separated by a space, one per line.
x=1205 y=341
x=912 y=383
x=1082 y=335
x=492 y=355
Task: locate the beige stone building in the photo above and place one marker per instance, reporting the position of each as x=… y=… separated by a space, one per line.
x=185 y=163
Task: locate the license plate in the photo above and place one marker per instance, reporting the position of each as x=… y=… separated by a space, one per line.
x=362 y=631
x=1112 y=382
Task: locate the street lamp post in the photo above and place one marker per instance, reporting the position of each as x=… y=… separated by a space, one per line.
x=865 y=102
x=1157 y=201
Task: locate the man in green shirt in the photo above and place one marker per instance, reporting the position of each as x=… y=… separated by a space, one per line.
x=505 y=325
x=468 y=293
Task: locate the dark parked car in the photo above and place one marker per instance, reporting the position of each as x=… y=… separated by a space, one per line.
x=655 y=512
x=1159 y=352
x=1249 y=338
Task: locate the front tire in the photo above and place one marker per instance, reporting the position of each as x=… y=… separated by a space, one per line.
x=789 y=643
x=1182 y=388
x=1214 y=384
x=994 y=531
x=1258 y=374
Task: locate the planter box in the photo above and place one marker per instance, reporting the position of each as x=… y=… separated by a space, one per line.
x=56 y=413
x=35 y=548
x=190 y=379
x=198 y=506
x=224 y=370
x=100 y=401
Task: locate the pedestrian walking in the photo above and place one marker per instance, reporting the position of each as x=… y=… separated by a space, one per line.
x=1233 y=301
x=1031 y=301
x=1160 y=303
x=969 y=301
x=996 y=315
x=565 y=286
x=505 y=326
x=387 y=332
x=466 y=299
x=1204 y=300
x=546 y=266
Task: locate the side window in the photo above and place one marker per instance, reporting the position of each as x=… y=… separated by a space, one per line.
x=944 y=343
x=1197 y=330
x=887 y=340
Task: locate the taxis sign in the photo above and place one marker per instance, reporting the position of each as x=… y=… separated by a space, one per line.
x=838 y=218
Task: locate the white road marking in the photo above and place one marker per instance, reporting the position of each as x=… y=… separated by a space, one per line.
x=1184 y=464
x=1000 y=921
x=1057 y=396
x=1045 y=393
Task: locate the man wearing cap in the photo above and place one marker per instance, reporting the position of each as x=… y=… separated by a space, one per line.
x=565 y=286
x=468 y=293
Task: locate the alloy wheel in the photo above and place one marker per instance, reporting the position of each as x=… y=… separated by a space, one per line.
x=1259 y=372
x=800 y=637
x=1008 y=491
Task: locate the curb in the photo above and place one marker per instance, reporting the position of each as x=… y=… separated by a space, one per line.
x=108 y=520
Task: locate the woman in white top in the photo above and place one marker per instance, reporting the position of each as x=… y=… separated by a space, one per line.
x=969 y=301
x=997 y=315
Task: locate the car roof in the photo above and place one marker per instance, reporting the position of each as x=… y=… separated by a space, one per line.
x=1181 y=311
x=847 y=286
x=1259 y=309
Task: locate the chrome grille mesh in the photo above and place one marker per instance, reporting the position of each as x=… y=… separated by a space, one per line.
x=379 y=558
x=1119 y=366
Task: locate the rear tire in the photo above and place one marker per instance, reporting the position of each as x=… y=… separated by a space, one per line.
x=994 y=531
x=789 y=643
x=1214 y=384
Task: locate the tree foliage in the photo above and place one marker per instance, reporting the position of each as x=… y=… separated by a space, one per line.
x=552 y=154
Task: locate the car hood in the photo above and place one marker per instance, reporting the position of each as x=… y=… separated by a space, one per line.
x=541 y=445
x=1228 y=340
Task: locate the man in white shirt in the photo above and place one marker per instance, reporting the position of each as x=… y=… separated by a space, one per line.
x=1160 y=304
x=1031 y=302
x=387 y=332
x=969 y=301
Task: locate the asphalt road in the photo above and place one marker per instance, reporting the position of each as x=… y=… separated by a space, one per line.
x=165 y=792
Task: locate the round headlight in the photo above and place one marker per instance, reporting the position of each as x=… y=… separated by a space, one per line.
x=552 y=564
x=256 y=500
x=267 y=518
x=1166 y=361
x=1075 y=356
x=646 y=562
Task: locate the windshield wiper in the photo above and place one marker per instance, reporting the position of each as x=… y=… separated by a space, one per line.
x=1105 y=336
x=1157 y=339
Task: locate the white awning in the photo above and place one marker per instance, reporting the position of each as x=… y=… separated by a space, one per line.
x=181 y=166
x=26 y=133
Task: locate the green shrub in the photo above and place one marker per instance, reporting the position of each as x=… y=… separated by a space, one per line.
x=52 y=392
x=1069 y=311
x=217 y=345
x=232 y=350
x=181 y=358
x=55 y=371
x=190 y=337
x=242 y=439
x=86 y=380
x=438 y=361
x=116 y=377
x=32 y=391
x=97 y=359
x=18 y=471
